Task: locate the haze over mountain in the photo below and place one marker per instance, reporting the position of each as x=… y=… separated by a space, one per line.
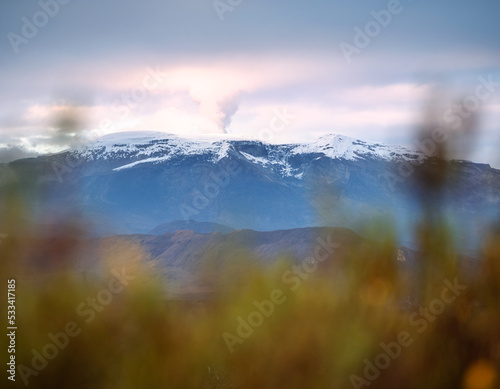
x=132 y=183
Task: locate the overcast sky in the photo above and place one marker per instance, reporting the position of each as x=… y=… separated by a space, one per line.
x=277 y=70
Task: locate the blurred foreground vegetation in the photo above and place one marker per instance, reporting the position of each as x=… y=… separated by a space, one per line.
x=364 y=321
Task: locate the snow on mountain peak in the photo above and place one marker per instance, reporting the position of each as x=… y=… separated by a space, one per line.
x=156 y=147
x=344 y=147
x=151 y=147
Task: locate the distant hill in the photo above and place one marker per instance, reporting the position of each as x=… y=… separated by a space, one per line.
x=190 y=264
x=189 y=249
x=190 y=225
x=182 y=257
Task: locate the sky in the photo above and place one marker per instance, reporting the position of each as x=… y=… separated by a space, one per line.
x=272 y=70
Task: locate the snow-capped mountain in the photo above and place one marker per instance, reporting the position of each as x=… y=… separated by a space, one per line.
x=134 y=182
x=155 y=147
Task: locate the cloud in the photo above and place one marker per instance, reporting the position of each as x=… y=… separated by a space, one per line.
x=218 y=85
x=10 y=153
x=375 y=99
x=44 y=129
x=228 y=108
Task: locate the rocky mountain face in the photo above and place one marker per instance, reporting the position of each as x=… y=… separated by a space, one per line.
x=135 y=182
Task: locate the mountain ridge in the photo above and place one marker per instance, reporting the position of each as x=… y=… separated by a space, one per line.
x=156 y=147
x=126 y=183
x=190 y=225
